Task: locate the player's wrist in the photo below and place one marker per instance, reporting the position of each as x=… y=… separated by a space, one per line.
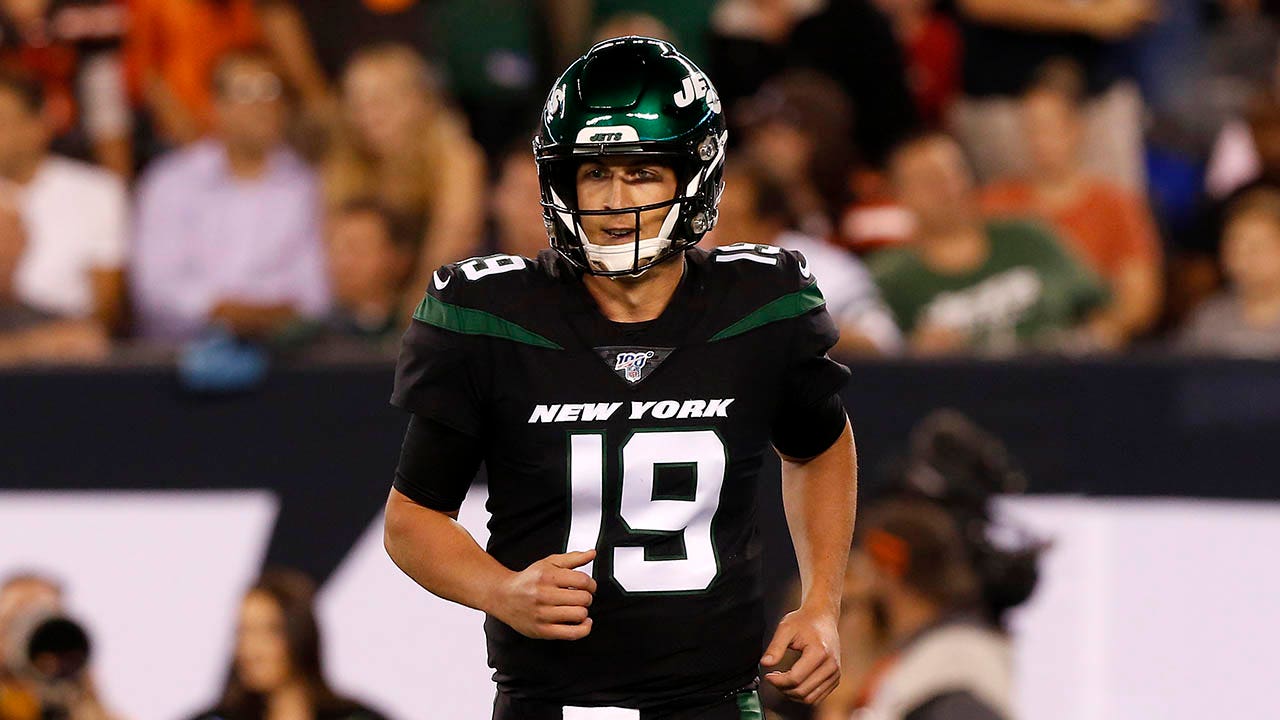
x=822 y=604
x=494 y=591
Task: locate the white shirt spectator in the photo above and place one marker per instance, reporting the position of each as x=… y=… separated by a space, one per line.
x=75 y=219
x=852 y=297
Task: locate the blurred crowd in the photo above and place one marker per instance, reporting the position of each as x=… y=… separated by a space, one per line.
x=233 y=179
x=275 y=672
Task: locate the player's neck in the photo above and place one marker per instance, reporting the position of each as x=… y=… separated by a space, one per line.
x=640 y=299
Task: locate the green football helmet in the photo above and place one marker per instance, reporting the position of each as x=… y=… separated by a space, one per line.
x=631 y=96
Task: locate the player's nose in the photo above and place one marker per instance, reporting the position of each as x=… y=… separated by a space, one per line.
x=616 y=197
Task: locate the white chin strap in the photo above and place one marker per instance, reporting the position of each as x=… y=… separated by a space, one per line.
x=618 y=258
x=615 y=258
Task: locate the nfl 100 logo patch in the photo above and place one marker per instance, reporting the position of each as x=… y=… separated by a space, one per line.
x=633 y=364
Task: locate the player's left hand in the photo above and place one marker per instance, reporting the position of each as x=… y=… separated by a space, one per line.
x=817 y=672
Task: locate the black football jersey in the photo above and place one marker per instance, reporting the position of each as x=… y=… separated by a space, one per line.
x=641 y=440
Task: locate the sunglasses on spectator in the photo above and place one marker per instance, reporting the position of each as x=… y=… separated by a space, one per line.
x=256 y=88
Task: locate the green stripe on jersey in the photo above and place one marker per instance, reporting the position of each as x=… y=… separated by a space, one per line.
x=469 y=321
x=785 y=307
x=749 y=706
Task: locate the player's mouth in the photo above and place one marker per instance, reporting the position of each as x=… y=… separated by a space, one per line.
x=620 y=233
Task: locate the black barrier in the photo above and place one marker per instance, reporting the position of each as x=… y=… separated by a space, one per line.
x=326 y=441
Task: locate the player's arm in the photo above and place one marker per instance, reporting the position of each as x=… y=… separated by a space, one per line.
x=820 y=496
x=812 y=436
x=548 y=600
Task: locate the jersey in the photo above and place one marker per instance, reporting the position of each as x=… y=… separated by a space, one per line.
x=641 y=440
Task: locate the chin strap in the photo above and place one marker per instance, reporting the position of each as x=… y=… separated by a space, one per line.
x=615 y=258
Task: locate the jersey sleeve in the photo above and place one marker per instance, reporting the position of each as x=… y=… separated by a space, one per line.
x=809 y=380
x=811 y=375
x=442 y=375
x=437 y=464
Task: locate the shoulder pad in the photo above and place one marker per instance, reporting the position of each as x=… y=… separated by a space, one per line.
x=759 y=284
x=491 y=295
x=776 y=268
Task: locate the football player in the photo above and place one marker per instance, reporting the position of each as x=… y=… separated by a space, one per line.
x=623 y=390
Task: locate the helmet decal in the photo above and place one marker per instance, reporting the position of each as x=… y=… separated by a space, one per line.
x=607 y=134
x=555 y=103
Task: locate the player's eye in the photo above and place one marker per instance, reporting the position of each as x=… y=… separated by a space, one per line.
x=594 y=172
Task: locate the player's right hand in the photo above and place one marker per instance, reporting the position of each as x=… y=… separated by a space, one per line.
x=549 y=599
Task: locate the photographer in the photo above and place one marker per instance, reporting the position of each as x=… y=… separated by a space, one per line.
x=928 y=587
x=43 y=655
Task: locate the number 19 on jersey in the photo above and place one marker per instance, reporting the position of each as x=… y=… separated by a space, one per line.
x=642 y=512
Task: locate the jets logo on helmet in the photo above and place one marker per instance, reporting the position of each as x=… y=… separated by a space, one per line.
x=696 y=87
x=631 y=96
x=555 y=103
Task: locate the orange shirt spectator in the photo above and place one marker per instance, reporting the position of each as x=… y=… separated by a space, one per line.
x=1110 y=228
x=172 y=47
x=1107 y=225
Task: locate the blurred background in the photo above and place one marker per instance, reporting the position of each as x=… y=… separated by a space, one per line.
x=1048 y=229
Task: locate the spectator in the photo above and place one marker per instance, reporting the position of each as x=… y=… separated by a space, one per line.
x=963 y=284
x=371 y=253
x=798 y=125
x=227 y=228
x=942 y=660
x=1109 y=227
x=753 y=209
x=28 y=335
x=1007 y=41
x=73 y=213
x=73 y=48
x=930 y=44
x=403 y=145
x=27 y=599
x=848 y=41
x=1244 y=319
x=517 y=205
x=277 y=671
x=171 y=50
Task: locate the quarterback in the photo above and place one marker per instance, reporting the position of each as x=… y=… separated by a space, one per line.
x=623 y=390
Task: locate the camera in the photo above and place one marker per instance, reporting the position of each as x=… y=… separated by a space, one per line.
x=50 y=651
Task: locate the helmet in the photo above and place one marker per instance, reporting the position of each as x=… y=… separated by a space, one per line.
x=631 y=96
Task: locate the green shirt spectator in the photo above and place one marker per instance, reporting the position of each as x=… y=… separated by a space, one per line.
x=1027 y=293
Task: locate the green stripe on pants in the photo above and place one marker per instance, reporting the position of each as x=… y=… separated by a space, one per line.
x=749 y=706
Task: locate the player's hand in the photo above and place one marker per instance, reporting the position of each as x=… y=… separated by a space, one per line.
x=549 y=599
x=817 y=671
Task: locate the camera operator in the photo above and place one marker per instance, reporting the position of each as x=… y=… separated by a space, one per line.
x=43 y=655
x=930 y=588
